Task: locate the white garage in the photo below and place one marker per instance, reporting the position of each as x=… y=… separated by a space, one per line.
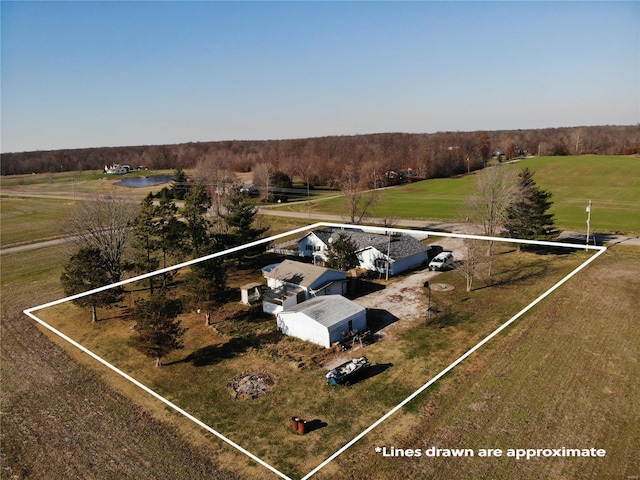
x=323 y=320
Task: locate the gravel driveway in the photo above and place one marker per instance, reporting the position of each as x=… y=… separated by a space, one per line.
x=405 y=297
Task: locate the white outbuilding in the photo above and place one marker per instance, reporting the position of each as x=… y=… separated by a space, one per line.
x=323 y=320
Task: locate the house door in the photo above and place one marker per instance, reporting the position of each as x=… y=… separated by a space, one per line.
x=350 y=325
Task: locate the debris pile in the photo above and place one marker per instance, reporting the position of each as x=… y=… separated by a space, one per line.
x=250 y=385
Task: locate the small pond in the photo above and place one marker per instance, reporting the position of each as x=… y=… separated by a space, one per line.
x=149 y=181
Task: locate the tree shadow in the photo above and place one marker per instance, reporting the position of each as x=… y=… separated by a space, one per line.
x=515 y=276
x=212 y=354
x=549 y=250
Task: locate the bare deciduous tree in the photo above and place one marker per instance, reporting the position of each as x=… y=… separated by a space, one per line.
x=487 y=207
x=213 y=170
x=474 y=259
x=262 y=174
x=104 y=223
x=358 y=198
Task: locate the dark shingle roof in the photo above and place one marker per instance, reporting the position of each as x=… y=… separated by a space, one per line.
x=401 y=246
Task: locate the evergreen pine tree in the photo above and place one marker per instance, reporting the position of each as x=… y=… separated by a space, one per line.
x=179 y=186
x=146 y=241
x=341 y=254
x=158 y=332
x=527 y=216
x=240 y=218
x=86 y=270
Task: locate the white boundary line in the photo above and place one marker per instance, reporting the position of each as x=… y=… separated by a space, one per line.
x=29 y=312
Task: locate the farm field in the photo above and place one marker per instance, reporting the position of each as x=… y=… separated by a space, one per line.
x=77 y=185
x=30 y=220
x=572 y=180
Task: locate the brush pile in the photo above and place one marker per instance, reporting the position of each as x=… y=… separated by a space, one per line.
x=250 y=385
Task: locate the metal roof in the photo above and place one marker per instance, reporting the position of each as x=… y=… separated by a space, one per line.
x=327 y=310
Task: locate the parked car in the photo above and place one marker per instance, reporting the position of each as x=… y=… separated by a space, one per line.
x=442 y=261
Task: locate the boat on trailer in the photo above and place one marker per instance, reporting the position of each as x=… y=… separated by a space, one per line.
x=345 y=373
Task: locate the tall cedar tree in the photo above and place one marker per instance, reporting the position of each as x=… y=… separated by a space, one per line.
x=158 y=236
x=158 y=333
x=180 y=186
x=527 y=216
x=341 y=254
x=196 y=204
x=240 y=217
x=206 y=282
x=170 y=233
x=146 y=239
x=86 y=270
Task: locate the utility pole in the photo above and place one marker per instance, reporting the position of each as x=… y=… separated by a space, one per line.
x=388 y=256
x=428 y=287
x=308 y=198
x=588 y=221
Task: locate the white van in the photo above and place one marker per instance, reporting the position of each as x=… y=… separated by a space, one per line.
x=442 y=261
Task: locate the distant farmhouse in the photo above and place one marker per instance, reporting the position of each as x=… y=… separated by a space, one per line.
x=398 y=253
x=116 y=169
x=291 y=283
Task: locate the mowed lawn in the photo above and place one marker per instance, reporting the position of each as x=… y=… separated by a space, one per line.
x=611 y=182
x=565 y=375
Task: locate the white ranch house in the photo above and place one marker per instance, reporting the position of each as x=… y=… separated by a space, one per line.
x=323 y=320
x=116 y=169
x=291 y=283
x=376 y=252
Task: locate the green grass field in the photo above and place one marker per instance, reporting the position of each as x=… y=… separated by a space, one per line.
x=611 y=182
x=31 y=220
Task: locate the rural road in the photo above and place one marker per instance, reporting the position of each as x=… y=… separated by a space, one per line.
x=453 y=227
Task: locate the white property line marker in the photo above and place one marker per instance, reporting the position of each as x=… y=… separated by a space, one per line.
x=29 y=312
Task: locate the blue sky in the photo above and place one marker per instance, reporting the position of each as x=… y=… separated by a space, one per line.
x=91 y=74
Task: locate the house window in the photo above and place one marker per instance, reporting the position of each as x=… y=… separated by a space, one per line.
x=380 y=263
x=308 y=247
x=351 y=325
x=318 y=248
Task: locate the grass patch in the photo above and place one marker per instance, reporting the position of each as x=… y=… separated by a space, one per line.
x=612 y=182
x=29 y=279
x=30 y=220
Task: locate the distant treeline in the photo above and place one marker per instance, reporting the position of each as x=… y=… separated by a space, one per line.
x=321 y=159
